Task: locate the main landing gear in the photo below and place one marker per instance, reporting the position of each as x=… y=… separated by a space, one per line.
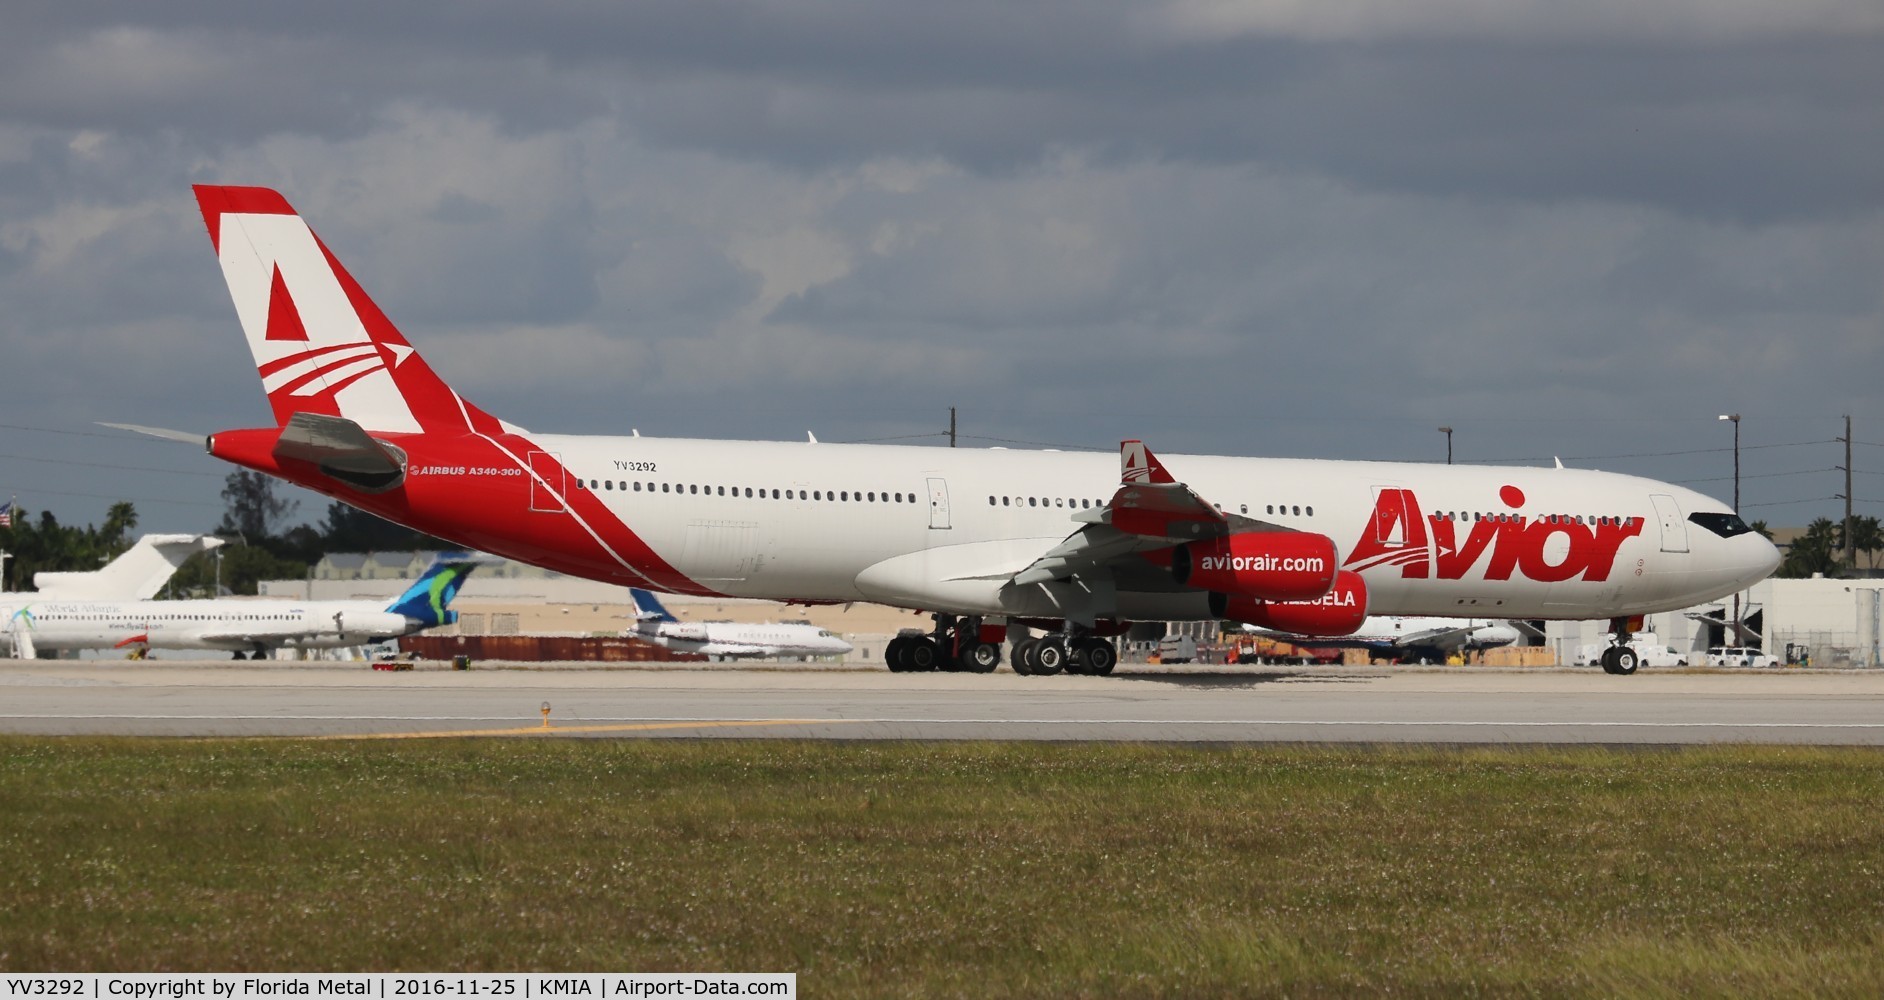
x=1052 y=653
x=1620 y=658
x=956 y=644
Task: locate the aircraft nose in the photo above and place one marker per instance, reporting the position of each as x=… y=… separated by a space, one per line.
x=1757 y=559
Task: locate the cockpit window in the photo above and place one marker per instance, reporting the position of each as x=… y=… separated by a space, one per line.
x=1724 y=525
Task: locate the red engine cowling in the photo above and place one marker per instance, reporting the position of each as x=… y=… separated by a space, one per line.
x=1339 y=612
x=1266 y=565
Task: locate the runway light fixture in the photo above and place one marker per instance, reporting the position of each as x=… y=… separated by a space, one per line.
x=545 y=710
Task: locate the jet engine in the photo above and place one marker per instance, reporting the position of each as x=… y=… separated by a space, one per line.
x=1264 y=565
x=1338 y=612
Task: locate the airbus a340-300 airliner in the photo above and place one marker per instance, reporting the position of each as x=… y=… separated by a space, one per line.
x=1063 y=542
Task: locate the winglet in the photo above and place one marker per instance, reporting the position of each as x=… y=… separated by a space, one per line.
x=1138 y=465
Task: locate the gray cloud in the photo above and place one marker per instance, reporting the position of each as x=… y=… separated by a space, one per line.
x=1278 y=228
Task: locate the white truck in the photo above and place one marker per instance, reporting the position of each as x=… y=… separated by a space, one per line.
x=1739 y=656
x=1649 y=651
x=1177 y=649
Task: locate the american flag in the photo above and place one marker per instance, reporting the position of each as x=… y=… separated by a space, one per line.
x=6 y=515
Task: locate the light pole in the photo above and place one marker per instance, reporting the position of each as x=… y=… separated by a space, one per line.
x=1738 y=639
x=1447 y=431
x=1735 y=417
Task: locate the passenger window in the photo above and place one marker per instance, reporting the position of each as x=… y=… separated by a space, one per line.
x=1298 y=512
x=1033 y=501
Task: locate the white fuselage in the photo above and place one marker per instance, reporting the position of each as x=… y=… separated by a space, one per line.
x=946 y=529
x=228 y=625
x=742 y=639
x=1390 y=632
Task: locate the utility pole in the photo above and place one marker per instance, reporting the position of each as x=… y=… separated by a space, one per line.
x=1735 y=639
x=3 y=568
x=951 y=426
x=1851 y=553
x=1447 y=431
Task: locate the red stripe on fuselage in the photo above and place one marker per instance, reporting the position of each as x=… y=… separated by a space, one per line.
x=475 y=491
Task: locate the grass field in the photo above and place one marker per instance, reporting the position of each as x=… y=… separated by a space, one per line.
x=1002 y=870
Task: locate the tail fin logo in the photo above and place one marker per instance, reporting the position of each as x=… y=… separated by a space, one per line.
x=320 y=344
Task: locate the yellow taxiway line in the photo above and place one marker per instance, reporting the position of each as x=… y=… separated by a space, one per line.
x=630 y=727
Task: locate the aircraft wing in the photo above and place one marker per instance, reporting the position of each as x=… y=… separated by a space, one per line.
x=718 y=648
x=1150 y=510
x=1448 y=639
x=258 y=637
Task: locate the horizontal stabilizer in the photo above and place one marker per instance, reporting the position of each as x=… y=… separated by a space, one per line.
x=343 y=450
x=186 y=437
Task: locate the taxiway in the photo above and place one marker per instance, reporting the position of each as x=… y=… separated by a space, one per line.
x=1228 y=705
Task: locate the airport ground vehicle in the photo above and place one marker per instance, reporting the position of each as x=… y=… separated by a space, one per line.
x=1177 y=649
x=1739 y=656
x=1075 y=545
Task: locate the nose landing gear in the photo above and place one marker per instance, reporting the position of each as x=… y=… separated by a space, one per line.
x=1620 y=658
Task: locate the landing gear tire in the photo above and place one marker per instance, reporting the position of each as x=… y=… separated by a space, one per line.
x=980 y=657
x=1049 y=656
x=1620 y=660
x=1075 y=656
x=921 y=654
x=896 y=654
x=1026 y=661
x=1097 y=656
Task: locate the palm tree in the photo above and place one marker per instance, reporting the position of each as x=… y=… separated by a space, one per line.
x=121 y=518
x=1812 y=552
x=1867 y=536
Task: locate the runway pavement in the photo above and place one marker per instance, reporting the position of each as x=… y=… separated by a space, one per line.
x=1230 y=705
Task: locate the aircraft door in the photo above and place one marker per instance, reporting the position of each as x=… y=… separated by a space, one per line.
x=1391 y=517
x=1674 y=529
x=938 y=503
x=546 y=482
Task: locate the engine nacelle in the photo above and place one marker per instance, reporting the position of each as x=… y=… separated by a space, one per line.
x=1338 y=612
x=1265 y=565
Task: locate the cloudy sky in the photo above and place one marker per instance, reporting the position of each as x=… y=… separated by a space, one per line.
x=1267 y=228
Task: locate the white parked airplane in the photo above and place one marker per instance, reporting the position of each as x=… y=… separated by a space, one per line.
x=1423 y=639
x=139 y=573
x=1058 y=541
x=657 y=625
x=238 y=626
